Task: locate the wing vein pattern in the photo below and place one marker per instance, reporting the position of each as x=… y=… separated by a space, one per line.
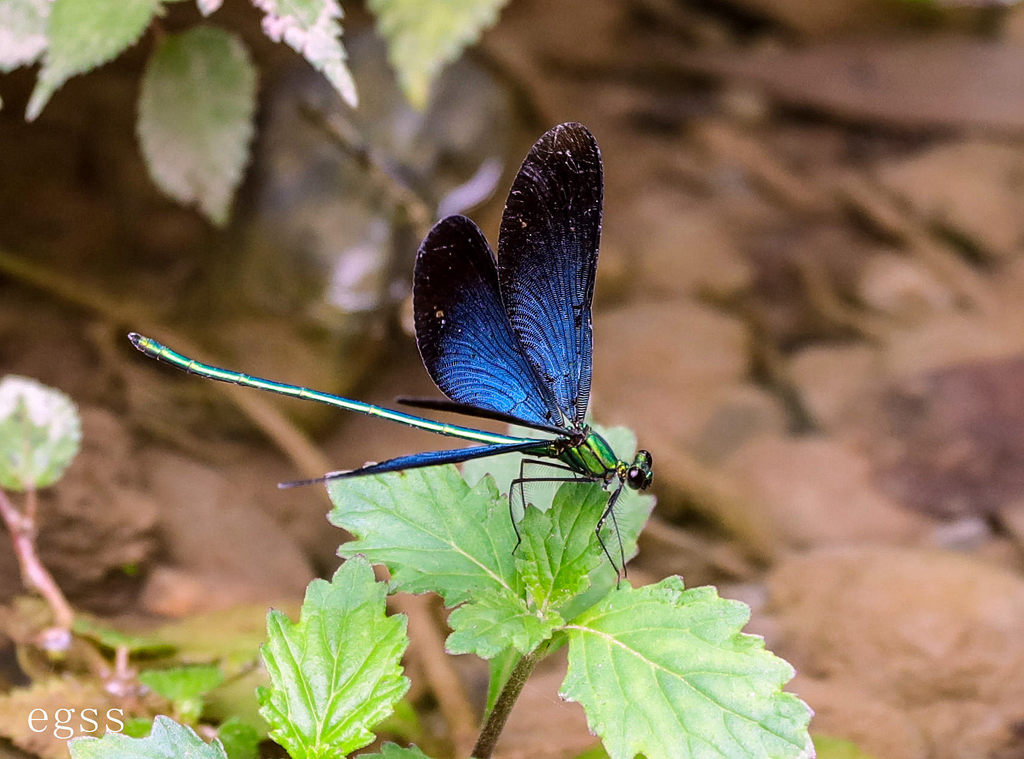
x=463 y=332
x=547 y=257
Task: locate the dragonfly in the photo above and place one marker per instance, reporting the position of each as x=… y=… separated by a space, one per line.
x=507 y=338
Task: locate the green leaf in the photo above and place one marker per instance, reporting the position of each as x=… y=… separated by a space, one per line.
x=336 y=673
x=431 y=530
x=168 y=740
x=665 y=672
x=137 y=727
x=196 y=117
x=110 y=638
x=240 y=739
x=424 y=35
x=631 y=511
x=39 y=433
x=394 y=751
x=493 y=622
x=403 y=723
x=828 y=747
x=435 y=533
x=594 y=752
x=559 y=549
x=84 y=34
x=22 y=32
x=178 y=683
x=184 y=686
x=311 y=28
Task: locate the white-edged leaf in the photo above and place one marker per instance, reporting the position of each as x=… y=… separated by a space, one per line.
x=39 y=433
x=206 y=7
x=311 y=28
x=22 y=32
x=196 y=117
x=83 y=34
x=665 y=672
x=424 y=35
x=337 y=671
x=167 y=739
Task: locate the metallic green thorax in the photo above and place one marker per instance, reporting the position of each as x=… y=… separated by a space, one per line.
x=594 y=456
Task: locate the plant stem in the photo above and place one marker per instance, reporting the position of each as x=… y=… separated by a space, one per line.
x=503 y=706
x=35 y=575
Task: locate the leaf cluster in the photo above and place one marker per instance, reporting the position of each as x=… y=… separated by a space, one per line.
x=198 y=95
x=661 y=671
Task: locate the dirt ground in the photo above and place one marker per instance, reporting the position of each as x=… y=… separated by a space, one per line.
x=809 y=307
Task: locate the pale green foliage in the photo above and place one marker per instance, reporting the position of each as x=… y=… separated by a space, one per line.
x=559 y=549
x=184 y=686
x=195 y=117
x=168 y=739
x=435 y=533
x=432 y=530
x=631 y=512
x=83 y=34
x=336 y=672
x=553 y=562
x=424 y=35
x=22 y=32
x=39 y=433
x=494 y=622
x=392 y=751
x=311 y=28
x=661 y=671
x=666 y=672
x=828 y=747
x=240 y=739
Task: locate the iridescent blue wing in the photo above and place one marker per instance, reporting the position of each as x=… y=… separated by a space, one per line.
x=462 y=330
x=547 y=258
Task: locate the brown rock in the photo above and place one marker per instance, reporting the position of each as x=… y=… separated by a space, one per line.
x=937 y=81
x=95 y=521
x=662 y=368
x=955 y=338
x=975 y=190
x=743 y=411
x=815 y=19
x=948 y=442
x=902 y=288
x=926 y=633
x=831 y=379
x=675 y=250
x=844 y=710
x=220 y=539
x=811 y=492
x=176 y=593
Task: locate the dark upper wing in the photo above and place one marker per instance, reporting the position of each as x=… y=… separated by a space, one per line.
x=462 y=330
x=547 y=258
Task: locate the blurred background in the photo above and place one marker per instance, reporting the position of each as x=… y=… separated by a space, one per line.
x=809 y=308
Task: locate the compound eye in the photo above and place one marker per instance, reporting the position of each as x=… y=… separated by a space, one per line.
x=635 y=478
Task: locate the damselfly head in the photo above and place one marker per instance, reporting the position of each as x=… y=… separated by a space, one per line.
x=639 y=475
